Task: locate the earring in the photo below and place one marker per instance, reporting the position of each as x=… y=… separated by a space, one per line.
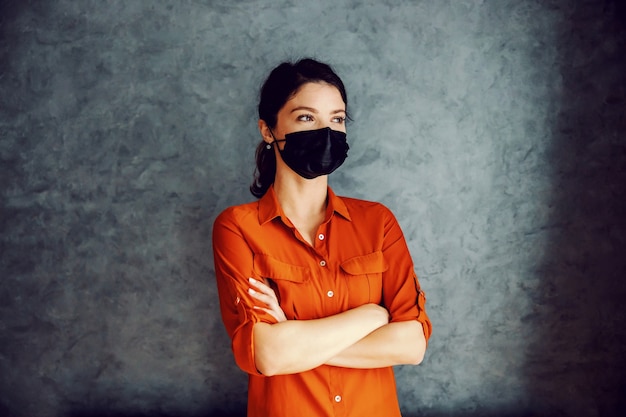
x=268 y=146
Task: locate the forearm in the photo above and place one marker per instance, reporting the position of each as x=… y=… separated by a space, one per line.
x=396 y=343
x=300 y=345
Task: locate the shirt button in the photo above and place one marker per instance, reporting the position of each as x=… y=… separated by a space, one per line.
x=330 y=294
x=320 y=236
x=337 y=398
x=322 y=263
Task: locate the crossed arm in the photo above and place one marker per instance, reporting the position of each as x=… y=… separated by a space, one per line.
x=358 y=338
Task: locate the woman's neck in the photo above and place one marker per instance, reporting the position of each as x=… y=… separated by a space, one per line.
x=302 y=200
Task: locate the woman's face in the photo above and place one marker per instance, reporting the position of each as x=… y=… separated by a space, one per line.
x=314 y=106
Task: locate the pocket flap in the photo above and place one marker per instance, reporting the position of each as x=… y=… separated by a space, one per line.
x=272 y=268
x=372 y=263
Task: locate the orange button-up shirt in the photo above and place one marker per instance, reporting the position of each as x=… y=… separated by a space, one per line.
x=359 y=256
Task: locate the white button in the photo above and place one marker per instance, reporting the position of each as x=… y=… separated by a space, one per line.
x=337 y=398
x=330 y=293
x=320 y=236
x=322 y=263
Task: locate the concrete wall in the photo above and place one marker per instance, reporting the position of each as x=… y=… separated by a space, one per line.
x=493 y=129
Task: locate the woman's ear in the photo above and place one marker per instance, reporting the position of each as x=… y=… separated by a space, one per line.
x=265 y=131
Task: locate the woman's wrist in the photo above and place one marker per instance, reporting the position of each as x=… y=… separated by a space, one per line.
x=379 y=314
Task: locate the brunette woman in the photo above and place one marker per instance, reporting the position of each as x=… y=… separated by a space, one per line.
x=317 y=292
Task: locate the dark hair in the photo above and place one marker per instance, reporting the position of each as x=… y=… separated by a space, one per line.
x=282 y=84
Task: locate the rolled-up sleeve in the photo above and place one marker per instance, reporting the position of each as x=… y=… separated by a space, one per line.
x=402 y=293
x=233 y=261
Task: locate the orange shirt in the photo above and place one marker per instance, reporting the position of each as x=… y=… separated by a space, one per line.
x=359 y=256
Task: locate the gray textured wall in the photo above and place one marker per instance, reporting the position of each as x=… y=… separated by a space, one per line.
x=493 y=129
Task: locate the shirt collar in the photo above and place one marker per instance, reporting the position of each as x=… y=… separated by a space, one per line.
x=269 y=208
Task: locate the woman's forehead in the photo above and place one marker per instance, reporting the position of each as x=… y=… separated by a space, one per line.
x=317 y=94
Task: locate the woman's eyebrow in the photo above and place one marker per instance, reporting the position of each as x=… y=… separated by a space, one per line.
x=312 y=110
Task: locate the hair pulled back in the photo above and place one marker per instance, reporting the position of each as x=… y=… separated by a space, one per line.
x=281 y=85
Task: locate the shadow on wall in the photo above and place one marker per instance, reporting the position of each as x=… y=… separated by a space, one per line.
x=576 y=362
x=9 y=9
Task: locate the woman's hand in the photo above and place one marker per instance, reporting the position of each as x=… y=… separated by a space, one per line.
x=267 y=296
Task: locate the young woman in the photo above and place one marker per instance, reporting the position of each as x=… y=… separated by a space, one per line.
x=317 y=292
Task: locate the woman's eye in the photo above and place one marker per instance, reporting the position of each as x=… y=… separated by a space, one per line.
x=305 y=118
x=339 y=119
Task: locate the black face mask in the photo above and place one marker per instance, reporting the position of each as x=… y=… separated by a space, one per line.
x=312 y=153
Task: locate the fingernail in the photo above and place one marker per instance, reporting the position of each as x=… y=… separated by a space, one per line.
x=252 y=280
x=251 y=291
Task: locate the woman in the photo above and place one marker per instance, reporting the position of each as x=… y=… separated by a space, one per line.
x=317 y=292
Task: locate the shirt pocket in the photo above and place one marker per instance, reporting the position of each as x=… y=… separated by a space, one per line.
x=287 y=280
x=364 y=278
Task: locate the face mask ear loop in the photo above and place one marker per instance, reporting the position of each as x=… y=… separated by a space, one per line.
x=269 y=145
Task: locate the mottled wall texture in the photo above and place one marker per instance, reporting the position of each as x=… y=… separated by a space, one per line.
x=494 y=129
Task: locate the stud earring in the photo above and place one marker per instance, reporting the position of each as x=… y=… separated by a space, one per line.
x=268 y=146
